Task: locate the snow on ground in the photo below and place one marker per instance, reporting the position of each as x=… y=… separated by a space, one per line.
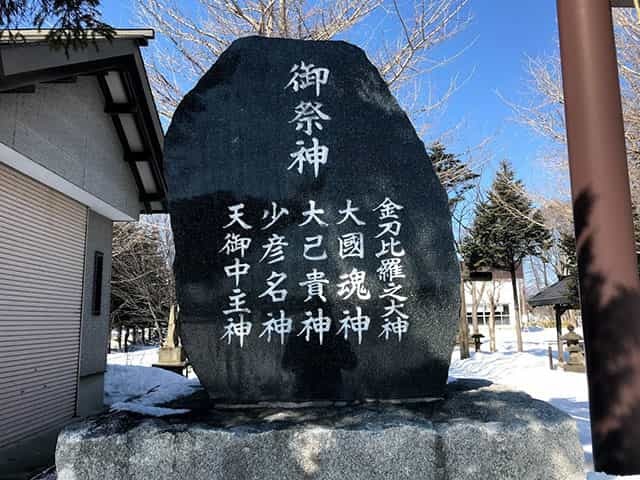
x=143 y=356
x=529 y=371
x=131 y=384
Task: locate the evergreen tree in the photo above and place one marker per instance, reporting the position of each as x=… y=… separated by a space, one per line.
x=457 y=179
x=506 y=229
x=455 y=176
x=567 y=245
x=72 y=24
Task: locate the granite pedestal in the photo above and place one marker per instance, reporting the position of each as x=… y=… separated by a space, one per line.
x=477 y=433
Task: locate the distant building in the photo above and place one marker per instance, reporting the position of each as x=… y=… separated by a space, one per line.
x=500 y=289
x=80 y=147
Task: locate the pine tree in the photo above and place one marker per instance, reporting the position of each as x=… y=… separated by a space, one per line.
x=71 y=24
x=506 y=229
x=567 y=245
x=457 y=179
x=455 y=176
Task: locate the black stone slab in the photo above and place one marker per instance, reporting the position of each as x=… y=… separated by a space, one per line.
x=233 y=141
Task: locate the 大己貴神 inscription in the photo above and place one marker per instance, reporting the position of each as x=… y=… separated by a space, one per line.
x=353 y=284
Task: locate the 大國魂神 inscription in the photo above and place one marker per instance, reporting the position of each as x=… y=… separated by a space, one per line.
x=352 y=285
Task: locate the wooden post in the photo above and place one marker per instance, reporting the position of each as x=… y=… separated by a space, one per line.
x=559 y=311
x=609 y=283
x=464 y=325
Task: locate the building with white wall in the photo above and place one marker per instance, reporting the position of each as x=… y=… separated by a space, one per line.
x=498 y=290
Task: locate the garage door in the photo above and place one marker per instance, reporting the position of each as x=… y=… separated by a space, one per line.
x=42 y=240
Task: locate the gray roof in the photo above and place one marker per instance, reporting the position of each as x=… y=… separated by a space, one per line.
x=557 y=294
x=119 y=68
x=30 y=35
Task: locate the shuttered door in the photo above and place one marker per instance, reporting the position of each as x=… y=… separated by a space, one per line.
x=42 y=242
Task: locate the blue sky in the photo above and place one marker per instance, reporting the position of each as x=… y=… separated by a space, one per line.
x=504 y=32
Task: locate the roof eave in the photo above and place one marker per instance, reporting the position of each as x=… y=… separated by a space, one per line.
x=34 y=35
x=28 y=65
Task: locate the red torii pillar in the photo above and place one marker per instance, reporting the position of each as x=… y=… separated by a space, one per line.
x=609 y=283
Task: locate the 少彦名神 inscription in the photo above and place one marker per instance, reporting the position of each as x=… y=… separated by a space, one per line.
x=351 y=285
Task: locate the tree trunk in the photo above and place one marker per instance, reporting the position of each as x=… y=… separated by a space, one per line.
x=156 y=324
x=558 y=312
x=464 y=326
x=492 y=325
x=158 y=332
x=126 y=339
x=474 y=308
x=119 y=338
x=518 y=326
x=534 y=271
x=523 y=306
x=282 y=19
x=544 y=273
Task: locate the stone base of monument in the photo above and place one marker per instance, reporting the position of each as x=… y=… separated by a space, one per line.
x=475 y=433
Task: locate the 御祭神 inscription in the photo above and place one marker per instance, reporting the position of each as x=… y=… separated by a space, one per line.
x=308 y=115
x=351 y=284
x=314 y=252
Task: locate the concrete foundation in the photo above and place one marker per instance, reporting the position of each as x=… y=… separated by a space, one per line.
x=90 y=395
x=479 y=433
x=29 y=457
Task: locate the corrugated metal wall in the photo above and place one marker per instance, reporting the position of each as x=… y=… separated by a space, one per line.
x=42 y=242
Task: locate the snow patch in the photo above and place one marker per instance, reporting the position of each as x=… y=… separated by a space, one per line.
x=528 y=371
x=143 y=389
x=146 y=410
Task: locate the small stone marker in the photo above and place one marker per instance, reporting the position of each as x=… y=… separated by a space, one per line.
x=314 y=252
x=170 y=352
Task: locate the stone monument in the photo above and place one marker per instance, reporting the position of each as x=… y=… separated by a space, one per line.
x=315 y=268
x=314 y=253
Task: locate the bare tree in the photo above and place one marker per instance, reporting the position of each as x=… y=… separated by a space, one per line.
x=193 y=35
x=461 y=216
x=476 y=301
x=459 y=179
x=492 y=295
x=142 y=283
x=463 y=327
x=543 y=111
